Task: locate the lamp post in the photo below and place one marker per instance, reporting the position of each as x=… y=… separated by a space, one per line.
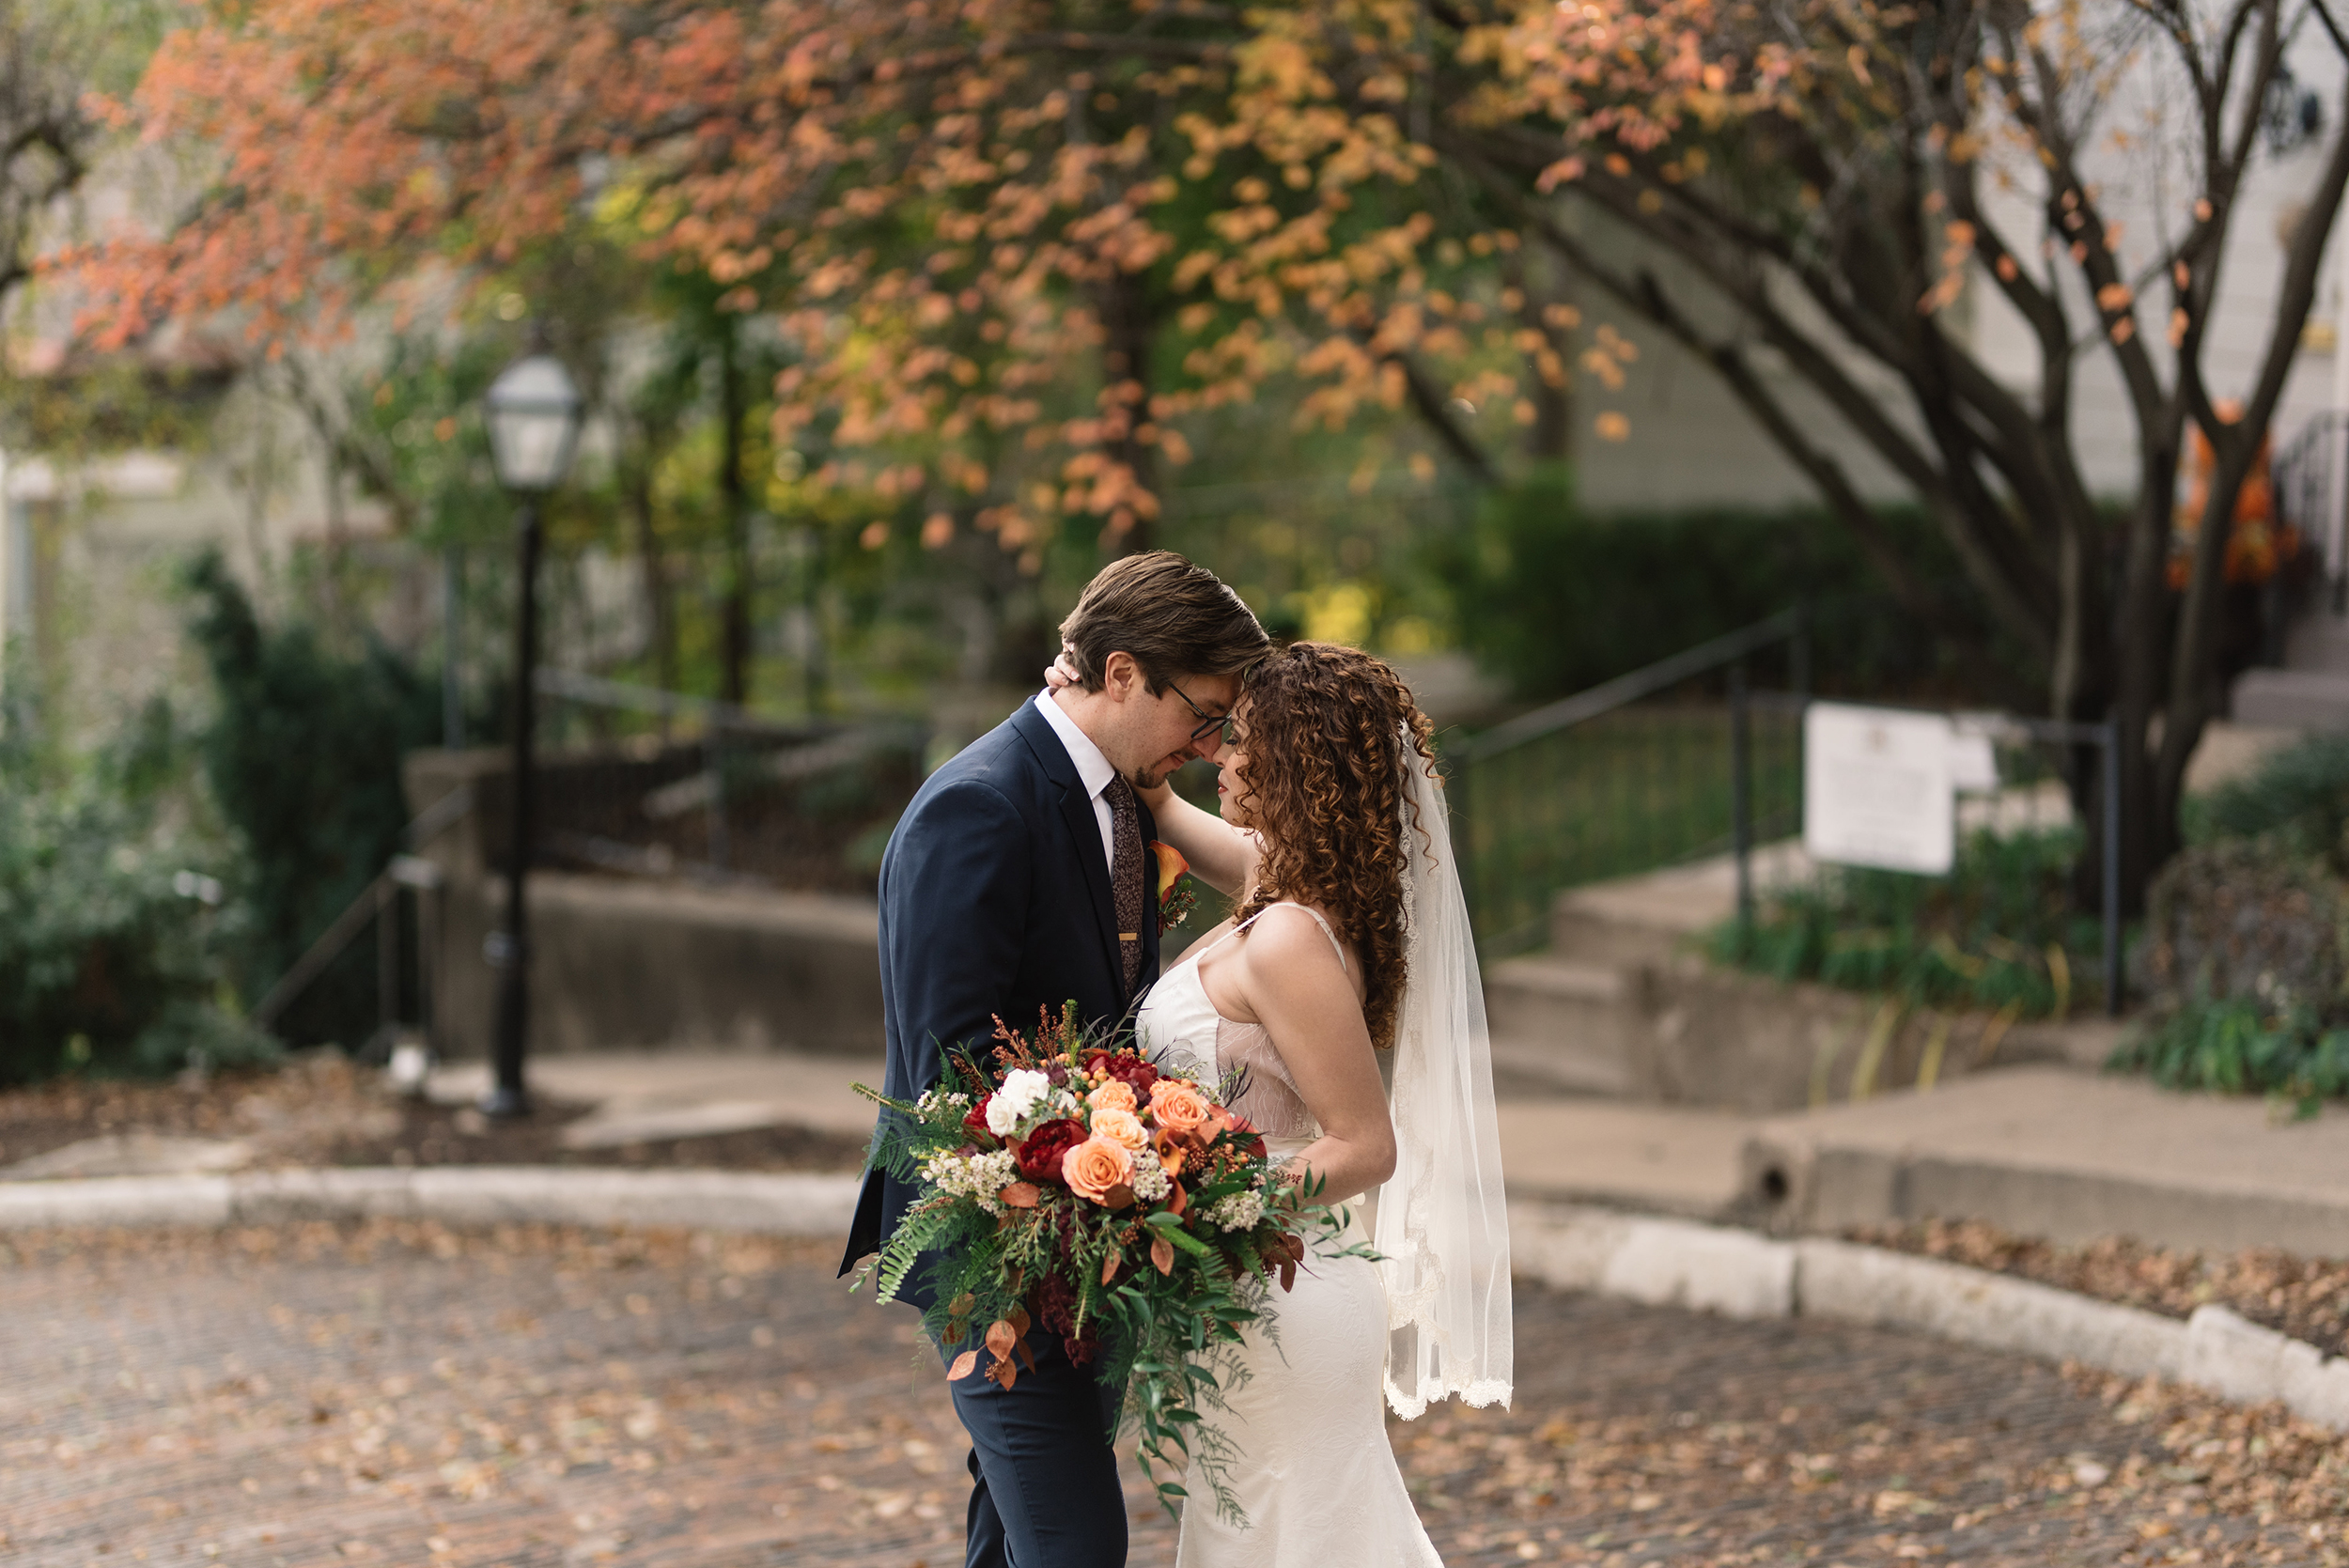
x=534 y=415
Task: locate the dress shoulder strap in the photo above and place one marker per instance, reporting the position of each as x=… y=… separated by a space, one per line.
x=1335 y=946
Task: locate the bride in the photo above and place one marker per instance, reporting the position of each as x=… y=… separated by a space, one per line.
x=1349 y=944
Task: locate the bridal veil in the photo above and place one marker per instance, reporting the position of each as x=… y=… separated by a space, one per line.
x=1442 y=1225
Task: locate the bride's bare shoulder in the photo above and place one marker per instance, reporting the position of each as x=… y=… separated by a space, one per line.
x=1290 y=942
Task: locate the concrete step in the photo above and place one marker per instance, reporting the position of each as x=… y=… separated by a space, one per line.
x=2231 y=750
x=2301 y=699
x=2051 y=1152
x=1559 y=1023
x=640 y=1096
x=1587 y=936
x=1660 y=1159
x=2320 y=643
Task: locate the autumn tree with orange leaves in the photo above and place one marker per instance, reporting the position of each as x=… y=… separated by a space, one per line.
x=1827 y=181
x=1011 y=245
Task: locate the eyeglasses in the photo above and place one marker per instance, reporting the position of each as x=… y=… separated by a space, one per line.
x=1213 y=723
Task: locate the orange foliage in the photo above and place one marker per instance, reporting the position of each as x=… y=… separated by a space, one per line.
x=933 y=198
x=2257 y=542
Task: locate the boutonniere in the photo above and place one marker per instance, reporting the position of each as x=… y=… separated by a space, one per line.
x=1176 y=897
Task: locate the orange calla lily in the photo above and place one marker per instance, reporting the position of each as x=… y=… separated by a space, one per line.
x=1171 y=867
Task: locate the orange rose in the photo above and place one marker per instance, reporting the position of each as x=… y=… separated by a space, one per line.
x=1113 y=1096
x=1094 y=1166
x=1177 y=1105
x=1120 y=1127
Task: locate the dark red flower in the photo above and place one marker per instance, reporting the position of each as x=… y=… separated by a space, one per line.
x=1055 y=1304
x=1128 y=1068
x=1055 y=1307
x=975 y=1122
x=1041 y=1154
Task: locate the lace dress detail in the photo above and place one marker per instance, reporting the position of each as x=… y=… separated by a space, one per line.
x=1317 y=1478
x=1268 y=1095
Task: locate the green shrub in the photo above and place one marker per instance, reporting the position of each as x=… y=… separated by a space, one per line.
x=304 y=759
x=112 y=957
x=2298 y=797
x=2240 y=1046
x=1998 y=931
x=1554 y=599
x=2248 y=919
x=2248 y=937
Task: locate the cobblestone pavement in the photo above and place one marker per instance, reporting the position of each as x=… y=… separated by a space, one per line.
x=400 y=1394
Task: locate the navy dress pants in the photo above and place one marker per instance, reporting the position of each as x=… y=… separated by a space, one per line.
x=1044 y=1488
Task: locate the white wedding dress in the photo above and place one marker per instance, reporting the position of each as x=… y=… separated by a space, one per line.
x=1316 y=1477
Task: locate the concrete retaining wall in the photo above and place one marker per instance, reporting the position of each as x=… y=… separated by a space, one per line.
x=1618 y=1009
x=622 y=964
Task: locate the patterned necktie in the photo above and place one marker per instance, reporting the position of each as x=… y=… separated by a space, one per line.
x=1125 y=875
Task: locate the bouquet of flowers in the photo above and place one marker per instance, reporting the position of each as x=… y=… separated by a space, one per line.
x=1075 y=1186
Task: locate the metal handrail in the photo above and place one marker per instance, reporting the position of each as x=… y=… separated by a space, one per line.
x=2311 y=494
x=374 y=901
x=1470 y=760
x=405 y=871
x=577 y=686
x=726 y=727
x=1624 y=690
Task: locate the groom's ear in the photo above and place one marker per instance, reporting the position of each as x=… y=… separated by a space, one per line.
x=1122 y=676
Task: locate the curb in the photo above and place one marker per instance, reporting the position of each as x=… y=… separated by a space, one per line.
x=1677 y=1263
x=784 y=1204
x=1741 y=1274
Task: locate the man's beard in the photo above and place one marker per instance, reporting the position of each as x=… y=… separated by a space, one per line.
x=1150 y=777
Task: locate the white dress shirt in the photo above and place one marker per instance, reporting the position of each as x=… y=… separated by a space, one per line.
x=1092 y=770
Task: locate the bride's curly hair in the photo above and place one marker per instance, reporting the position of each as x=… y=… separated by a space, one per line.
x=1326 y=729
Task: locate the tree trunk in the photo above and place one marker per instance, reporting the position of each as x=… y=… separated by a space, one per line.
x=734 y=505
x=1128 y=320
x=660 y=612
x=1544 y=304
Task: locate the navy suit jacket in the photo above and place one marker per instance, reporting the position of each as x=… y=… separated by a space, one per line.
x=994 y=903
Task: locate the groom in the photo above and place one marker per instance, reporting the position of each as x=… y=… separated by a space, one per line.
x=1018 y=879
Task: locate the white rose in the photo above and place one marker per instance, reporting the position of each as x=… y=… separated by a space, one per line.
x=1001 y=1115
x=1022 y=1092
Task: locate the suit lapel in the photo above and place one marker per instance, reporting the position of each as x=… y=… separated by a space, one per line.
x=1085 y=836
x=1149 y=896
x=1084 y=831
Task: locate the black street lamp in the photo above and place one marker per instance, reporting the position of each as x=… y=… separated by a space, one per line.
x=535 y=414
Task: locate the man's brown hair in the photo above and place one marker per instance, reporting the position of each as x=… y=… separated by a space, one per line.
x=1173 y=617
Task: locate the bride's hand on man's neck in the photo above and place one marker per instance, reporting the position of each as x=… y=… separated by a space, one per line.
x=1220 y=855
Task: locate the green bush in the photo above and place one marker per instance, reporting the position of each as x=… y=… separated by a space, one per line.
x=1999 y=931
x=304 y=759
x=2298 y=798
x=2248 y=937
x=1554 y=599
x=2248 y=919
x=112 y=955
x=2241 y=1046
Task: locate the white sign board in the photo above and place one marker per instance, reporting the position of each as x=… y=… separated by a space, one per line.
x=1876 y=788
x=1973 y=763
